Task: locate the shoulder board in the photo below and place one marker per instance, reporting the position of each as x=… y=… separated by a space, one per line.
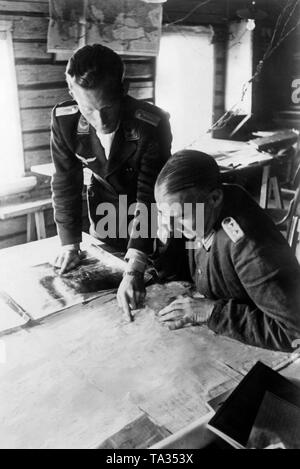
x=232 y=229
x=66 y=110
x=148 y=117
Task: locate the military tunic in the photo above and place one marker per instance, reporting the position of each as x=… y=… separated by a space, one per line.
x=247 y=267
x=140 y=148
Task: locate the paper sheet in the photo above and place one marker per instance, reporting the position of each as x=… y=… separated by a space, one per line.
x=9 y=319
x=41 y=291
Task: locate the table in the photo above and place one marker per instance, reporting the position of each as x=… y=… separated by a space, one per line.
x=230 y=155
x=234 y=156
x=80 y=376
x=47 y=170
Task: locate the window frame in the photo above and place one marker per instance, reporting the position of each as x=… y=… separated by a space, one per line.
x=20 y=183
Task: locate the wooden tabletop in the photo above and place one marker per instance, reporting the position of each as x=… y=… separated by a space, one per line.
x=82 y=375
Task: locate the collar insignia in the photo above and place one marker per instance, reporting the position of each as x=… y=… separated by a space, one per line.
x=130 y=132
x=83 y=126
x=208 y=240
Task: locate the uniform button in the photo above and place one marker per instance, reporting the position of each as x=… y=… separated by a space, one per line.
x=199 y=272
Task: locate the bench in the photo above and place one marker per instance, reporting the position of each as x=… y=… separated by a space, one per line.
x=34 y=210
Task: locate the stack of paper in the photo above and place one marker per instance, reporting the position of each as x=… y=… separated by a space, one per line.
x=262 y=412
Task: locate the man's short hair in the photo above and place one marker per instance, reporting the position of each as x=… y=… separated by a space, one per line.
x=189 y=169
x=95 y=66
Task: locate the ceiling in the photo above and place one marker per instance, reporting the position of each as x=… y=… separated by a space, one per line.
x=218 y=11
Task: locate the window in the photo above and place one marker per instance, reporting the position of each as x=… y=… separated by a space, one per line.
x=184 y=82
x=11 y=149
x=239 y=68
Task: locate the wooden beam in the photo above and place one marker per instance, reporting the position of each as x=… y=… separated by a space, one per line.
x=40 y=224
x=25 y=27
x=17 y=210
x=34 y=157
x=41 y=8
x=31 y=50
x=18 y=224
x=36 y=139
x=35 y=119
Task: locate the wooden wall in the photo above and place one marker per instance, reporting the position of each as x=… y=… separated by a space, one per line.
x=41 y=84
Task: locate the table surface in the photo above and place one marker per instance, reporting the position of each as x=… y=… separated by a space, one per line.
x=82 y=375
x=230 y=153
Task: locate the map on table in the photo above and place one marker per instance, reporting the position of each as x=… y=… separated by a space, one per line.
x=99 y=381
x=37 y=291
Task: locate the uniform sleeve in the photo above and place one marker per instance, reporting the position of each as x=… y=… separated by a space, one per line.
x=271 y=317
x=156 y=151
x=67 y=186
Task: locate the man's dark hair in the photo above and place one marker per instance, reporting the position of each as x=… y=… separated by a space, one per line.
x=189 y=169
x=97 y=66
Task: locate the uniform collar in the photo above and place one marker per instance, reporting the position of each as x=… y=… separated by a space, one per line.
x=208 y=240
x=204 y=242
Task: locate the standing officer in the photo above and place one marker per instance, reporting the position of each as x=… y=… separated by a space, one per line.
x=124 y=142
x=240 y=263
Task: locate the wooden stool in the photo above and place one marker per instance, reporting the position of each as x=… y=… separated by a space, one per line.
x=34 y=210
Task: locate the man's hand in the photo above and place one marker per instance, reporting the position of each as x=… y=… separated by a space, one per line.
x=131 y=293
x=186 y=310
x=69 y=257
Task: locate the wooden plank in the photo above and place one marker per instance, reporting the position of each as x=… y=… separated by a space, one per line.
x=35 y=139
x=13 y=226
x=219 y=82
x=142 y=93
x=139 y=70
x=17 y=210
x=141 y=84
x=26 y=27
x=38 y=74
x=17 y=225
x=35 y=119
x=31 y=50
x=218 y=101
x=30 y=228
x=40 y=1
x=48 y=97
x=265 y=184
x=24 y=7
x=40 y=225
x=20 y=238
x=33 y=157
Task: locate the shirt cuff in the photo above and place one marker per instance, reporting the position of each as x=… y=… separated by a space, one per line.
x=71 y=247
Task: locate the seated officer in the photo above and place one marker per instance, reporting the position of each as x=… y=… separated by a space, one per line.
x=245 y=271
x=124 y=142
